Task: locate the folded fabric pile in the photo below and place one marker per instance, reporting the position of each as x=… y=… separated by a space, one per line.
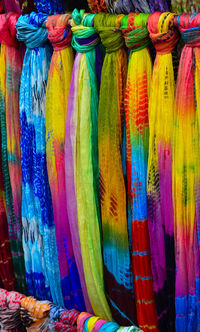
x=10 y=311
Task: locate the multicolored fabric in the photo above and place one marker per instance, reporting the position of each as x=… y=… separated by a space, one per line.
x=97 y=6
x=186 y=177
x=11 y=66
x=59 y=79
x=63 y=320
x=9 y=311
x=134 y=28
x=117 y=263
x=39 y=242
x=82 y=141
x=159 y=183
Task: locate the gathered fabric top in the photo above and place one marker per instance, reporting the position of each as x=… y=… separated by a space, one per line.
x=59 y=31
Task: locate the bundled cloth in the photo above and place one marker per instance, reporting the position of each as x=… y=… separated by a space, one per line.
x=10 y=311
x=63 y=320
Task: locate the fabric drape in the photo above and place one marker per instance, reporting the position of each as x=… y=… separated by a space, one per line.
x=82 y=168
x=117 y=263
x=159 y=183
x=189 y=6
x=11 y=6
x=39 y=243
x=49 y=7
x=11 y=65
x=186 y=177
x=137 y=130
x=159 y=5
x=59 y=79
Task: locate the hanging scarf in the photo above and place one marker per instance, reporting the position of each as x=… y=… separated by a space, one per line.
x=159 y=5
x=81 y=159
x=7 y=278
x=159 y=184
x=41 y=261
x=186 y=175
x=141 y=6
x=117 y=264
x=120 y=6
x=137 y=131
x=49 y=7
x=11 y=65
x=59 y=79
x=97 y=6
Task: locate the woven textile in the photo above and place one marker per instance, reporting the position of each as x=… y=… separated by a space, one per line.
x=137 y=130
x=39 y=243
x=117 y=264
x=186 y=177
x=59 y=79
x=159 y=184
x=11 y=65
x=81 y=140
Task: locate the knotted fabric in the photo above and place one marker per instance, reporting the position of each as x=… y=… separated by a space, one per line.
x=134 y=28
x=59 y=79
x=66 y=320
x=11 y=66
x=186 y=177
x=159 y=182
x=164 y=42
x=39 y=241
x=81 y=158
x=10 y=311
x=117 y=264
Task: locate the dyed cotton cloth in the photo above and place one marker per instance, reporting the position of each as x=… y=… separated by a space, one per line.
x=186 y=177
x=81 y=159
x=11 y=66
x=10 y=311
x=59 y=79
x=134 y=28
x=115 y=242
x=39 y=242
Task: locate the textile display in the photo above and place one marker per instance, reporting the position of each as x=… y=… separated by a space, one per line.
x=117 y=263
x=11 y=65
x=39 y=242
x=82 y=144
x=134 y=28
x=186 y=177
x=59 y=76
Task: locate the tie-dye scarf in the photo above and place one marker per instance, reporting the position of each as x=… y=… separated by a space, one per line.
x=39 y=243
x=11 y=65
x=186 y=177
x=159 y=184
x=137 y=131
x=82 y=140
x=117 y=263
x=59 y=79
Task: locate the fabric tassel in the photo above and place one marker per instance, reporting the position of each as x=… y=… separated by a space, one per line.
x=82 y=158
x=186 y=177
x=59 y=78
x=39 y=243
x=11 y=66
x=159 y=183
x=117 y=263
x=134 y=28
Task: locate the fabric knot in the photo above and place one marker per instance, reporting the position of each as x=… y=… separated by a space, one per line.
x=189 y=27
x=84 y=37
x=37 y=309
x=31 y=30
x=59 y=31
x=8 y=30
x=163 y=32
x=135 y=32
x=107 y=26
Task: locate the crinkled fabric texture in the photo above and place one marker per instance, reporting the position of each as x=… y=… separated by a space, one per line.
x=137 y=139
x=55 y=118
x=50 y=7
x=39 y=242
x=159 y=183
x=11 y=65
x=186 y=177
x=115 y=242
x=187 y=6
x=81 y=140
